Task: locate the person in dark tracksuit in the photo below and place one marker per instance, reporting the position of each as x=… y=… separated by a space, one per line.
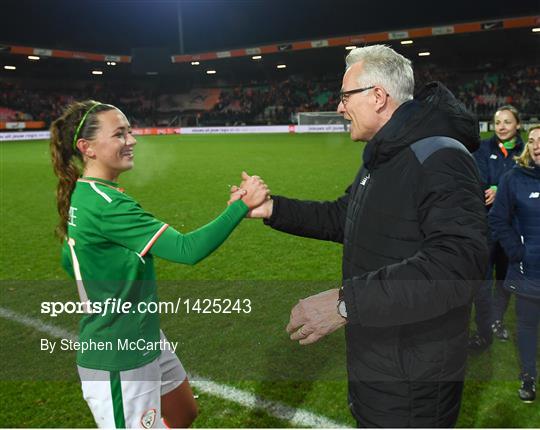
x=494 y=158
x=414 y=235
x=515 y=222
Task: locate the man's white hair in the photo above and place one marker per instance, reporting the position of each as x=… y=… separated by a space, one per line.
x=383 y=66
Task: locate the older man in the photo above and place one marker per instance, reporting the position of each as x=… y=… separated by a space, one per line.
x=413 y=230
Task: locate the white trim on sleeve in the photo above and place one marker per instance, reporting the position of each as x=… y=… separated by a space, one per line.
x=78 y=277
x=153 y=240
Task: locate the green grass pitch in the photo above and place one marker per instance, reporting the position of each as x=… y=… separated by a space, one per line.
x=184 y=180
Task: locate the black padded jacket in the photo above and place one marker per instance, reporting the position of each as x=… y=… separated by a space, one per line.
x=413 y=228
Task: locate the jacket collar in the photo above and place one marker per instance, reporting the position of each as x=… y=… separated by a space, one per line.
x=433 y=112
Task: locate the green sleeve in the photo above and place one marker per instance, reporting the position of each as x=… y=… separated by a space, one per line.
x=192 y=247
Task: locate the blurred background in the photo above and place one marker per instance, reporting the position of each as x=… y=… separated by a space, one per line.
x=253 y=62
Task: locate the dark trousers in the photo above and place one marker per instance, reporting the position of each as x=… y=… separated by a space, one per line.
x=408 y=405
x=483 y=303
x=528 y=320
x=501 y=296
x=491 y=306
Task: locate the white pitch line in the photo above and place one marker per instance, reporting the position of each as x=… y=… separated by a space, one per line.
x=298 y=417
x=37 y=324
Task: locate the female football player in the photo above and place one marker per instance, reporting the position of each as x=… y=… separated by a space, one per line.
x=109 y=243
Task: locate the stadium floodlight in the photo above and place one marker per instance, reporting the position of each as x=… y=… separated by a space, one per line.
x=424 y=54
x=536 y=30
x=33 y=57
x=97 y=72
x=10 y=67
x=281 y=66
x=256 y=57
x=195 y=63
x=211 y=72
x=350 y=47
x=406 y=42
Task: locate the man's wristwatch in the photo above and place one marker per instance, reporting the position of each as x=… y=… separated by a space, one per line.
x=341 y=308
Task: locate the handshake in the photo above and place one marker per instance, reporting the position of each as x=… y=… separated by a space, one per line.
x=255 y=194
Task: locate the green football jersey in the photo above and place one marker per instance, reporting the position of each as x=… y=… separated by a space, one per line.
x=107 y=251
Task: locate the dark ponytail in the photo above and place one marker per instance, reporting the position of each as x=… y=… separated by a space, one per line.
x=67 y=161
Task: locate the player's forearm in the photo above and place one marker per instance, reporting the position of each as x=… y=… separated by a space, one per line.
x=193 y=247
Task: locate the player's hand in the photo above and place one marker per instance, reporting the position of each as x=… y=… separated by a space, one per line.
x=257 y=191
x=236 y=194
x=489 y=195
x=262 y=211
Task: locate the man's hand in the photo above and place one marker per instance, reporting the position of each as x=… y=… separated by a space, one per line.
x=315 y=317
x=489 y=195
x=263 y=211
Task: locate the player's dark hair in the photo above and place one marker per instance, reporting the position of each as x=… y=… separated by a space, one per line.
x=67 y=160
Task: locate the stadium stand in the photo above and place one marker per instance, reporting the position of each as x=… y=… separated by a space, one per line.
x=260 y=103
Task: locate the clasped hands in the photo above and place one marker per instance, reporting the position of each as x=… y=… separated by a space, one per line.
x=311 y=318
x=255 y=194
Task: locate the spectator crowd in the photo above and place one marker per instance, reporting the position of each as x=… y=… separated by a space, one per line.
x=271 y=102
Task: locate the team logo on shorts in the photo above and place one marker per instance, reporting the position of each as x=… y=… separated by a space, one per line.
x=148 y=418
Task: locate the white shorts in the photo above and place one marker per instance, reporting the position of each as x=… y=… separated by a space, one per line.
x=131 y=398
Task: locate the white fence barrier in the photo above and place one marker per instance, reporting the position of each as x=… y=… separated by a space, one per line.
x=24 y=135
x=154 y=131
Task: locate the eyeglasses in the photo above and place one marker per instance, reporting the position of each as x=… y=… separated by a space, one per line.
x=344 y=95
